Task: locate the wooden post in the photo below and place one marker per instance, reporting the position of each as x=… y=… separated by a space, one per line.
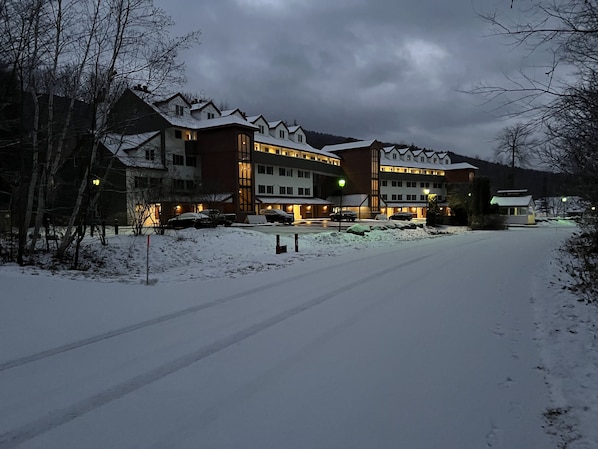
x=296 y=243
x=147 y=261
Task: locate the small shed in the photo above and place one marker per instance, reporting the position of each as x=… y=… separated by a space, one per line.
x=517 y=205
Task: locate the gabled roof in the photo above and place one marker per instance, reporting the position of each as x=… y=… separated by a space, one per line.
x=221 y=121
x=349 y=145
x=120 y=146
x=200 y=106
x=277 y=123
x=255 y=118
x=512 y=201
x=169 y=99
x=231 y=112
x=293 y=129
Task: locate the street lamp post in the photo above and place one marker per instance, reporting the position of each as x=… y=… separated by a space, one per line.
x=427 y=193
x=341 y=184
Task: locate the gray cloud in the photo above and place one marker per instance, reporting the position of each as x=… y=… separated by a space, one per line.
x=391 y=70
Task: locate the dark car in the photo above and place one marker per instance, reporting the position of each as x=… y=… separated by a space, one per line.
x=219 y=218
x=401 y=216
x=277 y=216
x=347 y=215
x=190 y=220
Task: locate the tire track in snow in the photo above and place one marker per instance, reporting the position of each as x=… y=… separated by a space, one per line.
x=143 y=324
x=56 y=418
x=9 y=364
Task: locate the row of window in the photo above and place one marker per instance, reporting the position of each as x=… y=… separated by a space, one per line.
x=269 y=170
x=415 y=171
x=421 y=159
x=299 y=154
x=283 y=190
x=144 y=182
x=435 y=185
x=179 y=159
x=399 y=197
x=184 y=185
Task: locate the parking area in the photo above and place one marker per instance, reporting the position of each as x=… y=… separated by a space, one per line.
x=313 y=225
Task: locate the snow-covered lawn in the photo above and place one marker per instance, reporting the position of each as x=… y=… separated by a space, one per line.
x=46 y=310
x=191 y=254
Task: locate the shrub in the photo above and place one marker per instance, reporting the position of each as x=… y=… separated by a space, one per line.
x=488 y=222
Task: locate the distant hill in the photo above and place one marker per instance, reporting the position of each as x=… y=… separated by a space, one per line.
x=320 y=140
x=538 y=183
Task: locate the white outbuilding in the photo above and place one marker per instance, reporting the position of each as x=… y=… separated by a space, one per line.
x=517 y=205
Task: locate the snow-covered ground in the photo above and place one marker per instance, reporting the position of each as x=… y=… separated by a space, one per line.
x=192 y=254
x=42 y=312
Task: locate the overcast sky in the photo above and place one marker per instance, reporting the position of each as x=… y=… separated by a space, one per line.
x=385 y=69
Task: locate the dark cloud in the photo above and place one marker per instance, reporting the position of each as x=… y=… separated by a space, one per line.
x=391 y=70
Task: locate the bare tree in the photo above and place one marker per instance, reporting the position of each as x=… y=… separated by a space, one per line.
x=515 y=145
x=87 y=52
x=565 y=103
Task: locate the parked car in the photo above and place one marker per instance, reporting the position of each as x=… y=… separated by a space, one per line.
x=347 y=215
x=401 y=216
x=219 y=218
x=277 y=216
x=190 y=220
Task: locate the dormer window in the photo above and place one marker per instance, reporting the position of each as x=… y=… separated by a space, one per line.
x=299 y=138
x=210 y=115
x=408 y=158
x=421 y=159
x=261 y=129
x=179 y=110
x=394 y=155
x=281 y=134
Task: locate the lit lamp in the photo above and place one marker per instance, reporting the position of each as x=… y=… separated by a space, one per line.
x=96 y=182
x=564 y=200
x=341 y=184
x=427 y=193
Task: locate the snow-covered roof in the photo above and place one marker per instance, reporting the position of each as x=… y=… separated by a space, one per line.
x=459 y=166
x=285 y=143
x=120 y=146
x=425 y=165
x=291 y=200
x=352 y=200
x=199 y=106
x=231 y=112
x=255 y=118
x=273 y=125
x=512 y=201
x=349 y=145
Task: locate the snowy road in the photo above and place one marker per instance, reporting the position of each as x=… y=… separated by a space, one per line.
x=429 y=344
